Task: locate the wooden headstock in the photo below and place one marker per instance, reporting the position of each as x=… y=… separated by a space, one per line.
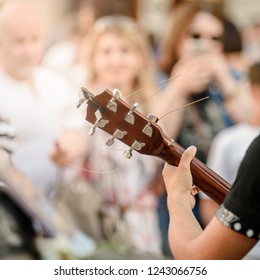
x=111 y=114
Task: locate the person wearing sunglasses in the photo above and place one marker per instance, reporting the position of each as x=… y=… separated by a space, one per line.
x=192 y=56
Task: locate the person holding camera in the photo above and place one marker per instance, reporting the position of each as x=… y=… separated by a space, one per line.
x=192 y=56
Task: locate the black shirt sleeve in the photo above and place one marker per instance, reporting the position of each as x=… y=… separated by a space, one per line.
x=240 y=210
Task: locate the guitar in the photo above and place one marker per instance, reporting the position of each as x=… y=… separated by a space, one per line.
x=142 y=134
x=58 y=237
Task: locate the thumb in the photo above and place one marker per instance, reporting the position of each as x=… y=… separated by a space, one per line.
x=187 y=157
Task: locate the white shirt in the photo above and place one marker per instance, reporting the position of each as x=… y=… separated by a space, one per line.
x=38 y=115
x=228 y=149
x=63 y=58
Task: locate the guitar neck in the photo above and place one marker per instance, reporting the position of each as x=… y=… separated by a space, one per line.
x=203 y=177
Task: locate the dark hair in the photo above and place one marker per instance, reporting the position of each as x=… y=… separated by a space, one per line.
x=231 y=38
x=254 y=73
x=179 y=20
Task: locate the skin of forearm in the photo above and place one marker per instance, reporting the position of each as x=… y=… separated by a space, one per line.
x=207 y=208
x=184 y=230
x=188 y=241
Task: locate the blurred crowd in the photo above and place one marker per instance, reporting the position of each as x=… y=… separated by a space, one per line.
x=67 y=191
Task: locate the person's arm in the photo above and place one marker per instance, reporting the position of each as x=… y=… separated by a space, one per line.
x=207 y=208
x=235 y=92
x=69 y=147
x=187 y=239
x=188 y=78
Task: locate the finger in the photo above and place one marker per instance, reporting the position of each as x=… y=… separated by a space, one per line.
x=167 y=170
x=187 y=157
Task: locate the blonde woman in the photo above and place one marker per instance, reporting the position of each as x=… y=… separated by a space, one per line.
x=118 y=56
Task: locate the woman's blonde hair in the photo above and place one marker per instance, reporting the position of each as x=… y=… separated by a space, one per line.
x=126 y=28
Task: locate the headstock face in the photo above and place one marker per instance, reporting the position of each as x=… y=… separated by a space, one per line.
x=137 y=131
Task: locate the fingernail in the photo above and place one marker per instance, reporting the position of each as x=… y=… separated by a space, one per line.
x=193 y=149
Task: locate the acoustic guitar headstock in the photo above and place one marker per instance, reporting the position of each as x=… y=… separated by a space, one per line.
x=110 y=113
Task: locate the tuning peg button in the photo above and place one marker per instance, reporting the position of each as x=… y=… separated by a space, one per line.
x=84 y=95
x=130 y=118
x=119 y=134
x=100 y=122
x=112 y=104
x=135 y=146
x=128 y=154
x=148 y=130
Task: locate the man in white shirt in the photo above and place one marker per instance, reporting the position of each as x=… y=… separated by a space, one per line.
x=37 y=102
x=38 y=105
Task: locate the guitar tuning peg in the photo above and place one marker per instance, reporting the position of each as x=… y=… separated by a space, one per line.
x=119 y=134
x=130 y=118
x=135 y=146
x=84 y=95
x=148 y=130
x=100 y=122
x=112 y=104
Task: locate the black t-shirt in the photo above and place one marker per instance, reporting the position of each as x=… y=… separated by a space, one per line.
x=240 y=210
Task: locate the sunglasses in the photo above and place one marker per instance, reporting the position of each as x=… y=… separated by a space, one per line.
x=198 y=36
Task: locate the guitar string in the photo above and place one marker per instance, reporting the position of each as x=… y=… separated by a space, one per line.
x=93 y=171
x=186 y=105
x=101 y=172
x=157 y=91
